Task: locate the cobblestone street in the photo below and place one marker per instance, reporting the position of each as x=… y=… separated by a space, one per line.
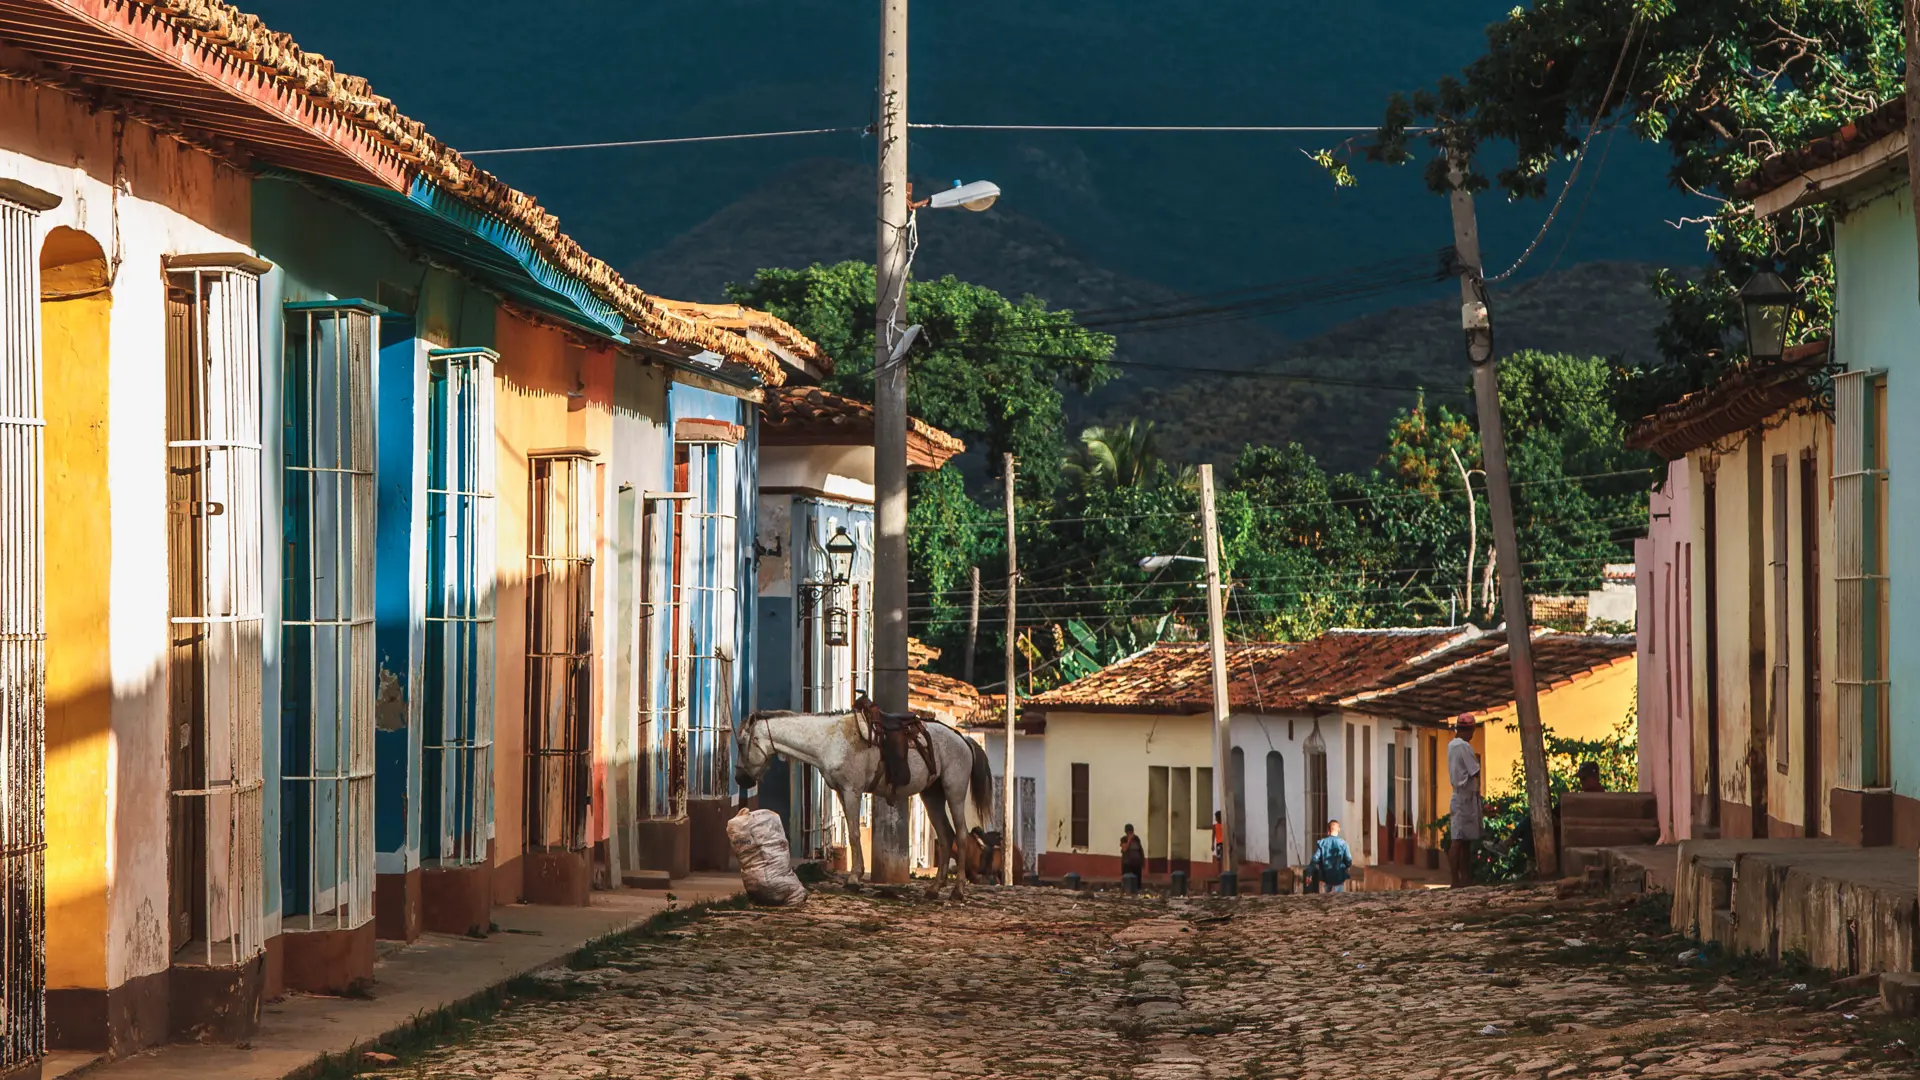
x=1032 y=982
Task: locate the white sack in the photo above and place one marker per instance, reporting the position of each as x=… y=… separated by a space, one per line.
x=759 y=840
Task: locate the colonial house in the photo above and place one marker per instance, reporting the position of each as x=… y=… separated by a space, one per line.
x=372 y=553
x=1737 y=635
x=814 y=613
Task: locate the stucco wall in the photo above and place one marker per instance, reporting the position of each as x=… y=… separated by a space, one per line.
x=1663 y=577
x=1118 y=750
x=1876 y=322
x=172 y=200
x=839 y=472
x=1588 y=707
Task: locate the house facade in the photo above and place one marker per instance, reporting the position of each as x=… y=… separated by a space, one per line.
x=399 y=547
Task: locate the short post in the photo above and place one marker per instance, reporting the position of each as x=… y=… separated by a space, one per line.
x=1229 y=883
x=1177 y=883
x=1130 y=883
x=1269 y=882
x=1071 y=881
x=1033 y=879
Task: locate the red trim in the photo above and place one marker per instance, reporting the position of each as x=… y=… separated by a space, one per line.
x=1091 y=867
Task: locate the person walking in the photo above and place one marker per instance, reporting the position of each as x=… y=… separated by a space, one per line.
x=1133 y=855
x=1332 y=860
x=1463 y=771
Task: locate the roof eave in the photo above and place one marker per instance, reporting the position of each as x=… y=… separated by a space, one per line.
x=1879 y=163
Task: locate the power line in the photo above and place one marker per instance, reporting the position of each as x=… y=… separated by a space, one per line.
x=662 y=142
x=1270 y=129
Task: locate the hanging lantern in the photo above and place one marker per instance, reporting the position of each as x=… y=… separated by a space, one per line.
x=1767 y=302
x=840 y=552
x=838 y=627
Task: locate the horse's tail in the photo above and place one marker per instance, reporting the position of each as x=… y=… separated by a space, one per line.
x=982 y=784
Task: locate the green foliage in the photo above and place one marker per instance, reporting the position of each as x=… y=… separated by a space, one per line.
x=1119 y=456
x=989 y=369
x=1507 y=855
x=1721 y=84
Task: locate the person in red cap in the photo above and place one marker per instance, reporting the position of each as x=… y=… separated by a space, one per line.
x=1463 y=771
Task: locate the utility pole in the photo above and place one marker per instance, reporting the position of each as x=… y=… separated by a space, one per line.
x=1007 y=784
x=891 y=854
x=1217 y=648
x=1912 y=31
x=973 y=614
x=1493 y=452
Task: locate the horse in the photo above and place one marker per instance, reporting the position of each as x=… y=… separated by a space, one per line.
x=835 y=744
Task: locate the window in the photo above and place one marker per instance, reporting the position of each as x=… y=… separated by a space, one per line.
x=1203 y=807
x=1777 y=711
x=457 y=802
x=1316 y=766
x=215 y=901
x=1082 y=796
x=560 y=649
x=22 y=646
x=664 y=693
x=709 y=595
x=1349 y=761
x=1860 y=575
x=327 y=681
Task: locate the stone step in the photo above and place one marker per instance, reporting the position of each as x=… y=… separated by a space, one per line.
x=1595 y=833
x=647 y=879
x=1611 y=805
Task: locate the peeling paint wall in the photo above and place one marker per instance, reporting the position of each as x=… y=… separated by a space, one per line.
x=170 y=200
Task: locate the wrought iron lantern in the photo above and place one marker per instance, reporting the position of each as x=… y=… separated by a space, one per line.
x=840 y=551
x=1767 y=302
x=838 y=627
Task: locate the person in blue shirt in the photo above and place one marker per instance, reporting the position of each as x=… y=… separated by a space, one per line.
x=1331 y=860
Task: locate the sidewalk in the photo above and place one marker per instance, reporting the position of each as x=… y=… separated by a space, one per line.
x=432 y=973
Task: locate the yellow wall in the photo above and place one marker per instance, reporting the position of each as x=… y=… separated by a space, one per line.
x=79 y=552
x=1588 y=707
x=538 y=367
x=1118 y=750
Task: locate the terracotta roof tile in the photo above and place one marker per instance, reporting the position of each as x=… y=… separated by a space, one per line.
x=213 y=36
x=1265 y=676
x=1780 y=168
x=943 y=697
x=808 y=415
x=1740 y=399
x=740 y=319
x=1483 y=682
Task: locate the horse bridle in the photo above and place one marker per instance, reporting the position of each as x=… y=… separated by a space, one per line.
x=747 y=729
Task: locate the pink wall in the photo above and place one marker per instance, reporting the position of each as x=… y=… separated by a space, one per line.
x=1663 y=579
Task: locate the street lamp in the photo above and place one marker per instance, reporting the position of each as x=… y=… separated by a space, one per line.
x=977 y=196
x=1161 y=562
x=1767 y=302
x=840 y=551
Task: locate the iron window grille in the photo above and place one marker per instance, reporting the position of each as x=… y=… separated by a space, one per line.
x=1861 y=683
x=215 y=810
x=560 y=650
x=664 y=688
x=457 y=763
x=709 y=598
x=327 y=682
x=23 y=643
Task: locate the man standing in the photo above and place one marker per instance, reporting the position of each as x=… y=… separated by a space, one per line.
x=1332 y=860
x=1463 y=770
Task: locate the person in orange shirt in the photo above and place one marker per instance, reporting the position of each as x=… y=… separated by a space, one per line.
x=1219 y=842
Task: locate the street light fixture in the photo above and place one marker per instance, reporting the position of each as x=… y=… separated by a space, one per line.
x=840 y=552
x=1161 y=562
x=976 y=196
x=1767 y=302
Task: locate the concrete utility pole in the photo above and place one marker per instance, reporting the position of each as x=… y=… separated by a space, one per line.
x=891 y=855
x=973 y=625
x=1217 y=649
x=1493 y=452
x=1007 y=830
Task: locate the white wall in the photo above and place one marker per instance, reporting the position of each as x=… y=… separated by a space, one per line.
x=839 y=472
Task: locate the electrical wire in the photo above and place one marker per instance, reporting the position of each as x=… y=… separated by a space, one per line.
x=1271 y=129
x=661 y=142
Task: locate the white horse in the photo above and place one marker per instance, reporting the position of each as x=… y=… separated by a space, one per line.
x=835 y=744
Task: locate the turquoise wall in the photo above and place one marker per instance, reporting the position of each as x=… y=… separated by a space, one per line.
x=1877 y=325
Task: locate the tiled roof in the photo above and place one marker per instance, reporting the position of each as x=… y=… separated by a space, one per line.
x=1483 y=682
x=218 y=78
x=1781 y=168
x=1264 y=677
x=1558 y=611
x=1735 y=403
x=809 y=416
x=751 y=321
x=943 y=697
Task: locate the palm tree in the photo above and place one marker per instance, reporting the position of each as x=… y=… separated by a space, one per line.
x=1114 y=457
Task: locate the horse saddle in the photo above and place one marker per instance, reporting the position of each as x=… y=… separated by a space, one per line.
x=898 y=735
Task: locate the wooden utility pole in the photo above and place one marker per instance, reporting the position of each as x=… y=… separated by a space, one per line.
x=891 y=851
x=1217 y=649
x=1493 y=453
x=973 y=614
x=1007 y=784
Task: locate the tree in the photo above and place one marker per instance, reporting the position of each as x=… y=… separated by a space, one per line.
x=989 y=369
x=1114 y=457
x=1723 y=83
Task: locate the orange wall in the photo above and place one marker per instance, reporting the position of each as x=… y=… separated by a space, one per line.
x=538 y=368
x=79 y=553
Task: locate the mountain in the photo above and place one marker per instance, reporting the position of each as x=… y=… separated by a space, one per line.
x=821 y=211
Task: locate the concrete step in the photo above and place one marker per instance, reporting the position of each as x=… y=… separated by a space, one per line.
x=1611 y=805
x=1594 y=833
x=1723 y=928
